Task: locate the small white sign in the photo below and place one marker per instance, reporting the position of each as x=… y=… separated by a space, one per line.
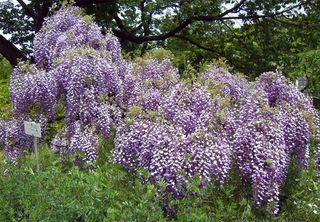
x=32 y=129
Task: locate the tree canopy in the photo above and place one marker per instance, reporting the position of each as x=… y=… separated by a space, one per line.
x=253 y=36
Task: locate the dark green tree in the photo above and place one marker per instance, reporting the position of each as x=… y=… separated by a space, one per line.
x=145 y=24
x=254 y=46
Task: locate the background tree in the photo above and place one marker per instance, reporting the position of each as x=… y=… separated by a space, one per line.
x=255 y=46
x=145 y=24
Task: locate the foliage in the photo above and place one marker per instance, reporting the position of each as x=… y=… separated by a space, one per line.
x=308 y=66
x=62 y=192
x=5 y=69
x=251 y=47
x=68 y=194
x=301 y=191
x=17 y=24
x=256 y=38
x=5 y=105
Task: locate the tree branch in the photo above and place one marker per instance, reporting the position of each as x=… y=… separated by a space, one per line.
x=28 y=10
x=119 y=22
x=197 y=44
x=303 y=24
x=42 y=12
x=233 y=9
x=10 y=51
x=203 y=47
x=123 y=33
x=91 y=2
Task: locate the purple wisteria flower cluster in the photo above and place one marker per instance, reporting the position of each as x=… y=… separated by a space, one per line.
x=220 y=120
x=175 y=131
x=13 y=139
x=65 y=31
x=317 y=137
x=226 y=84
x=274 y=122
x=172 y=130
x=78 y=68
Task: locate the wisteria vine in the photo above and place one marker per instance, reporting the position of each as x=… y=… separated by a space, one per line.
x=173 y=130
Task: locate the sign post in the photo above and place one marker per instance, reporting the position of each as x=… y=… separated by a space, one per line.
x=34 y=129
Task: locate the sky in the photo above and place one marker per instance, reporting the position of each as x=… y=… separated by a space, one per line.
x=14 y=1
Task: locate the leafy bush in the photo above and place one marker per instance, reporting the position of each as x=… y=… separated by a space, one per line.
x=5 y=68
x=60 y=194
x=308 y=66
x=5 y=105
x=63 y=192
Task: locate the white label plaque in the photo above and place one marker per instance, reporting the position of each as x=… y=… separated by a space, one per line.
x=32 y=129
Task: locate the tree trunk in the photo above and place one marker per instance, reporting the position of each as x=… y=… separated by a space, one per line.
x=11 y=52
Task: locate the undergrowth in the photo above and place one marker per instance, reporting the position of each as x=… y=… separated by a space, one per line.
x=62 y=191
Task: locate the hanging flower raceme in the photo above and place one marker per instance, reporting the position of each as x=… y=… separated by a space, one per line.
x=223 y=82
x=66 y=30
x=317 y=137
x=60 y=143
x=174 y=132
x=261 y=158
x=32 y=87
x=84 y=141
x=209 y=157
x=296 y=113
x=297 y=134
x=13 y=139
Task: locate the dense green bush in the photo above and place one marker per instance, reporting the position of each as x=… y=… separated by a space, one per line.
x=5 y=105
x=63 y=192
x=60 y=193
x=308 y=65
x=5 y=68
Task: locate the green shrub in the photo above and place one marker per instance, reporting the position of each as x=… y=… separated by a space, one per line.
x=104 y=194
x=5 y=105
x=62 y=192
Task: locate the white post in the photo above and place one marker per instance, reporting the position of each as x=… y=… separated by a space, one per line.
x=35 y=144
x=34 y=129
